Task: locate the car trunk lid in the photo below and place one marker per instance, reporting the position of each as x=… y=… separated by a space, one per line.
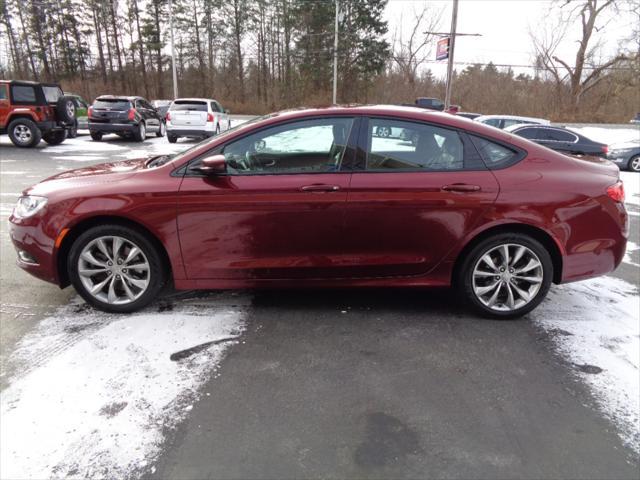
x=192 y=113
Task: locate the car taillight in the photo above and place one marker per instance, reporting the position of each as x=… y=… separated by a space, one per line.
x=90 y=111
x=605 y=149
x=168 y=117
x=616 y=192
x=132 y=114
x=209 y=117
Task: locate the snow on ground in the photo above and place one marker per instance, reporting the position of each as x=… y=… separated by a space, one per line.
x=631 y=181
x=595 y=325
x=97 y=391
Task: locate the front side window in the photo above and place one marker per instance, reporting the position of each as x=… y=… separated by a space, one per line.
x=413 y=146
x=308 y=146
x=3 y=92
x=23 y=94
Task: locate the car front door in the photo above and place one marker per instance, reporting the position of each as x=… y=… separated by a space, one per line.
x=278 y=212
x=411 y=202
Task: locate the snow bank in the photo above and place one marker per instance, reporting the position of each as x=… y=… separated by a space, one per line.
x=100 y=389
x=595 y=324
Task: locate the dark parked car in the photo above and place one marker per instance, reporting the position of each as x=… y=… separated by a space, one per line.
x=313 y=198
x=31 y=111
x=626 y=156
x=128 y=117
x=635 y=119
x=560 y=139
x=469 y=115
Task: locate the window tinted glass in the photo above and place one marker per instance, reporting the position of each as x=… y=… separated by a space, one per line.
x=184 y=105
x=509 y=121
x=23 y=93
x=52 y=94
x=530 y=133
x=494 y=122
x=398 y=145
x=3 y=92
x=112 y=104
x=493 y=154
x=302 y=147
x=215 y=106
x=555 y=135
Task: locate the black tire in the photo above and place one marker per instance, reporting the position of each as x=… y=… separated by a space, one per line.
x=66 y=110
x=634 y=164
x=464 y=280
x=172 y=139
x=161 y=130
x=55 y=138
x=97 y=136
x=73 y=131
x=140 y=133
x=157 y=274
x=24 y=138
x=217 y=130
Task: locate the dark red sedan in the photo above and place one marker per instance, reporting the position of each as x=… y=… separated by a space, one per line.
x=315 y=198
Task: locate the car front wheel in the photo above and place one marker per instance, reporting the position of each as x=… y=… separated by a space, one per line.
x=97 y=136
x=24 y=133
x=140 y=134
x=506 y=276
x=162 y=130
x=171 y=138
x=116 y=268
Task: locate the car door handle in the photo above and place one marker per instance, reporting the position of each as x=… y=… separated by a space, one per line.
x=318 y=187
x=461 y=187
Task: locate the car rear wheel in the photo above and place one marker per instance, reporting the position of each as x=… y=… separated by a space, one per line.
x=24 y=133
x=172 y=139
x=506 y=276
x=97 y=136
x=162 y=130
x=116 y=268
x=140 y=134
x=73 y=131
x=634 y=164
x=55 y=138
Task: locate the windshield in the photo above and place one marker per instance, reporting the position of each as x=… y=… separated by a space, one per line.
x=194 y=106
x=113 y=104
x=52 y=94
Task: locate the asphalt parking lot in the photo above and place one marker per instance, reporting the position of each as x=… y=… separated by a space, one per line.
x=317 y=383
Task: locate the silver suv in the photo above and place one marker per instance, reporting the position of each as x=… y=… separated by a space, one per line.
x=196 y=118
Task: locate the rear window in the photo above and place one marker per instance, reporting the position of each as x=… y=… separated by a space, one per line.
x=23 y=93
x=52 y=94
x=493 y=154
x=113 y=104
x=189 y=105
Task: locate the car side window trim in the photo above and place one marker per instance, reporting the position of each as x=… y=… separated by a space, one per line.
x=346 y=165
x=471 y=154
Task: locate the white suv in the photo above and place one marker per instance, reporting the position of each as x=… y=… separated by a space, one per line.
x=196 y=118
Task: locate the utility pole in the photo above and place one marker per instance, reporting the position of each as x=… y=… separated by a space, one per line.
x=173 y=52
x=335 y=56
x=452 y=43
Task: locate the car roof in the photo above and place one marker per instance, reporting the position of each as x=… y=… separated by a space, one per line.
x=118 y=97
x=513 y=117
x=194 y=99
x=29 y=82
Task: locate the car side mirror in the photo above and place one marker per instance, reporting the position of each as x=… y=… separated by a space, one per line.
x=213 y=165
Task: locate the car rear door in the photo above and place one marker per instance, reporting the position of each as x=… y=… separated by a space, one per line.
x=279 y=211
x=411 y=202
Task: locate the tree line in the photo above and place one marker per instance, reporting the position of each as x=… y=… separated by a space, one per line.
x=263 y=55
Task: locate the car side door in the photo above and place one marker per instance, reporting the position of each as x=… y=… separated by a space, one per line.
x=411 y=202
x=277 y=212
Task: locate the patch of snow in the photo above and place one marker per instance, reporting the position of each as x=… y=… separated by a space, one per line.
x=631 y=247
x=12 y=172
x=596 y=323
x=89 y=157
x=631 y=181
x=97 y=391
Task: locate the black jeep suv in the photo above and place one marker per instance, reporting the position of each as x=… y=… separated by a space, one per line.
x=125 y=116
x=30 y=111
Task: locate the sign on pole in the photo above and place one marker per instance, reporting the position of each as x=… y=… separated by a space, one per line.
x=442 y=49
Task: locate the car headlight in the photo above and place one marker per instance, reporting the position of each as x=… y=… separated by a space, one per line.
x=28 y=206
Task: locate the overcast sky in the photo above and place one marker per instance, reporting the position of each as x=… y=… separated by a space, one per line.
x=504 y=25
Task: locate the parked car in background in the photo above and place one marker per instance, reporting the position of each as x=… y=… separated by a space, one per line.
x=429 y=103
x=635 y=119
x=162 y=106
x=127 y=117
x=560 y=139
x=625 y=155
x=469 y=115
x=31 y=111
x=312 y=198
x=196 y=118
x=504 y=121
x=82 y=121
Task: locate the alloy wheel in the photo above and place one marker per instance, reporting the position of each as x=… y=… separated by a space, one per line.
x=114 y=270
x=22 y=133
x=507 y=277
x=635 y=164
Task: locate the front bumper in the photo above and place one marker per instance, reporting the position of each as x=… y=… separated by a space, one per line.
x=34 y=247
x=112 y=127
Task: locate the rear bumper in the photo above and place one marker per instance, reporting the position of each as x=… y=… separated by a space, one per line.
x=112 y=127
x=189 y=132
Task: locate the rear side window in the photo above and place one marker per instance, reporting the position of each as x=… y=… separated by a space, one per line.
x=112 y=104
x=23 y=94
x=494 y=122
x=194 y=106
x=529 y=133
x=215 y=106
x=556 y=135
x=396 y=145
x=494 y=154
x=52 y=94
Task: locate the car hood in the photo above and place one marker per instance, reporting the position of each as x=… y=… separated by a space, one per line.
x=95 y=174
